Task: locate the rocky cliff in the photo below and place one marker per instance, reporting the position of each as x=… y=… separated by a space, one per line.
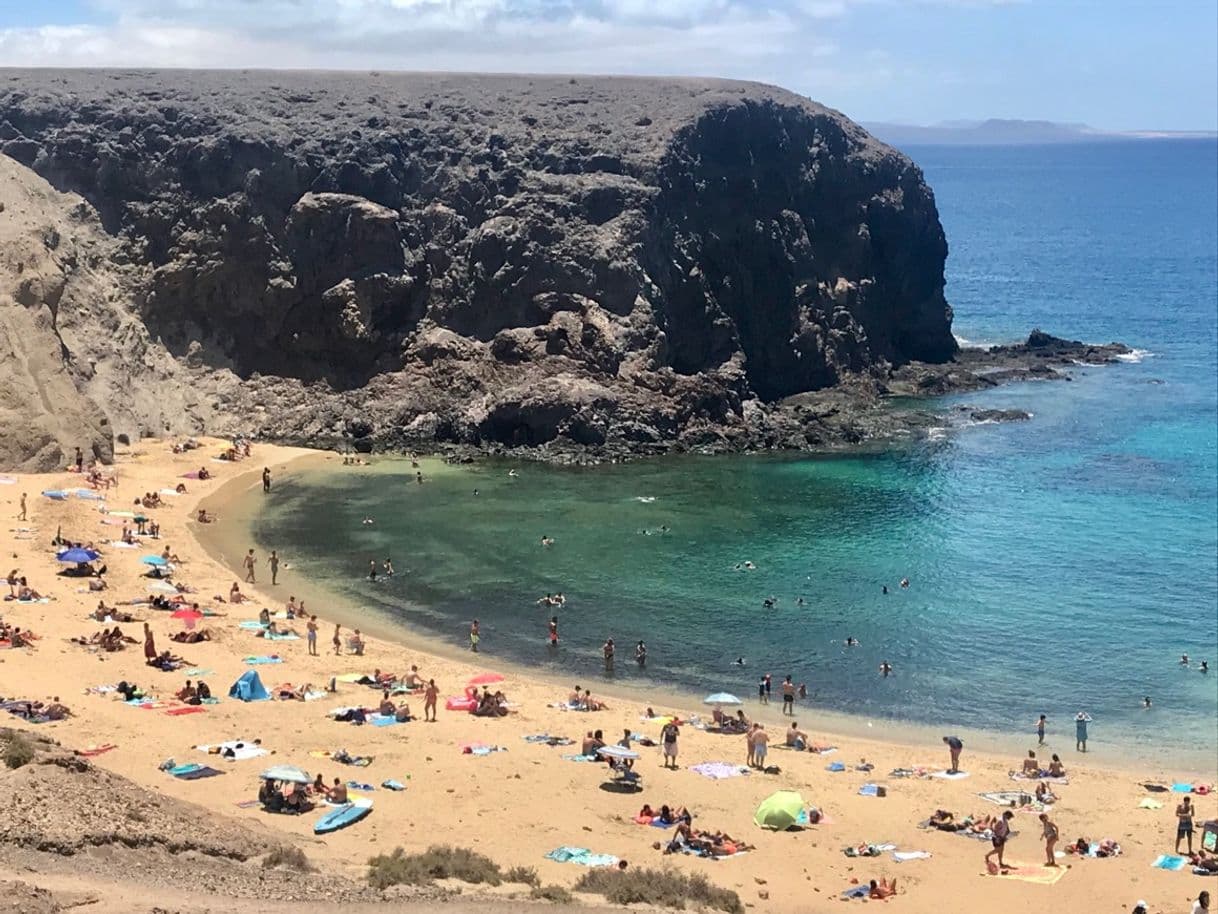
x=606 y=263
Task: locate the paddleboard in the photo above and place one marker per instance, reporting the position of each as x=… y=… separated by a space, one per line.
x=341 y=817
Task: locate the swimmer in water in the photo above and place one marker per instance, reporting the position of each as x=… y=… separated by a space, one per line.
x=388 y=567
x=750 y=566
x=739 y=661
x=513 y=473
x=884 y=589
x=905 y=583
x=418 y=477
x=475 y=491
x=367 y=521
x=852 y=642
x=1184 y=660
x=737 y=567
x=885 y=668
x=1205 y=666
x=768 y=602
x=546 y=541
x=640 y=654
x=372 y=569
x=799 y=602
x=1146 y=702
x=553 y=631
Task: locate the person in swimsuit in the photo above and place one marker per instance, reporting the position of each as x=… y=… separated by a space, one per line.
x=1040 y=730
x=474 y=636
x=788 y=697
x=1184 y=824
x=1049 y=833
x=429 y=701
x=761 y=741
x=1001 y=831
x=553 y=631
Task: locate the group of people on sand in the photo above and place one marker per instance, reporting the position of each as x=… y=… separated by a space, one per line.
x=19 y=588
x=581 y=700
x=106 y=640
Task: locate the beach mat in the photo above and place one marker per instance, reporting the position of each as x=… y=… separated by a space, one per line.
x=581 y=856
x=1169 y=862
x=1040 y=875
x=189 y=709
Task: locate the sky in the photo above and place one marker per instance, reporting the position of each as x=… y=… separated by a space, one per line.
x=1113 y=64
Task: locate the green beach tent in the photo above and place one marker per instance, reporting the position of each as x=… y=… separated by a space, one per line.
x=779 y=811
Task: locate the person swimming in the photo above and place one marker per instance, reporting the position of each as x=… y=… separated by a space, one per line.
x=739 y=661
x=905 y=583
x=1146 y=702
x=885 y=668
x=852 y=642
x=513 y=473
x=768 y=602
x=1205 y=666
x=367 y=521
x=1184 y=660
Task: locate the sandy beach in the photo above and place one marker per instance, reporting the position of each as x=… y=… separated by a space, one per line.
x=525 y=800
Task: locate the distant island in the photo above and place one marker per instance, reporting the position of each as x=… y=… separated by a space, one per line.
x=1004 y=132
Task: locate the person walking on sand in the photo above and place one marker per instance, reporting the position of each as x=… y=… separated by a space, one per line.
x=249 y=563
x=311 y=634
x=266 y=479
x=954 y=745
x=474 y=636
x=668 y=736
x=1040 y=730
x=1081 y=719
x=429 y=701
x=21 y=514
x=1049 y=833
x=338 y=640
x=1184 y=823
x=1002 y=831
x=788 y=697
x=273 y=561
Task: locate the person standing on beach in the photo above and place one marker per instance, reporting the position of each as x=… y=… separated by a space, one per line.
x=249 y=563
x=1184 y=823
x=266 y=479
x=668 y=736
x=788 y=697
x=761 y=742
x=1080 y=730
x=149 y=644
x=311 y=634
x=21 y=514
x=761 y=696
x=554 y=631
x=1049 y=833
x=273 y=561
x=954 y=745
x=1002 y=831
x=769 y=684
x=429 y=701
x=474 y=636
x=1040 y=730
x=748 y=740
x=338 y=640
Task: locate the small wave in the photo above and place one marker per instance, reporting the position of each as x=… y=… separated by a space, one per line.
x=972 y=344
x=1134 y=357
x=936 y=433
x=645 y=499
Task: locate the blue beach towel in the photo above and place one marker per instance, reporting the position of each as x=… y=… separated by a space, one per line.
x=254 y=661
x=251 y=625
x=869 y=790
x=382 y=720
x=835 y=766
x=1169 y=862
x=1181 y=788
x=581 y=856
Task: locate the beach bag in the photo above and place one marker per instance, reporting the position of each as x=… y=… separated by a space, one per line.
x=1209 y=836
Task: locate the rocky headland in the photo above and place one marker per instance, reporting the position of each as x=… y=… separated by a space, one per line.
x=567 y=267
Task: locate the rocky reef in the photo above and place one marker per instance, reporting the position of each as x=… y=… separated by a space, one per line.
x=599 y=266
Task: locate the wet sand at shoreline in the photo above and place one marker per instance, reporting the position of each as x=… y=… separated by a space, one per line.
x=516 y=805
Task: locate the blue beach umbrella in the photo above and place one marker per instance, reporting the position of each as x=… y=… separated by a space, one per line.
x=78 y=556
x=154 y=560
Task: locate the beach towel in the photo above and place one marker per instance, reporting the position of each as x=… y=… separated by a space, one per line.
x=858 y=891
x=189 y=709
x=1169 y=862
x=581 y=856
x=1149 y=803
x=949 y=776
x=1040 y=875
x=251 y=625
x=393 y=785
x=1007 y=797
x=193 y=772
x=870 y=790
x=235 y=750
x=1181 y=788
x=905 y=856
x=1020 y=776
x=356 y=785
x=94 y=750
x=197 y=672
x=580 y=758
x=254 y=661
x=835 y=766
x=281 y=636
x=383 y=720
x=549 y=740
x=718 y=771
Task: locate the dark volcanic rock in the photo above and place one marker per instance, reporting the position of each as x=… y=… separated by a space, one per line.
x=611 y=264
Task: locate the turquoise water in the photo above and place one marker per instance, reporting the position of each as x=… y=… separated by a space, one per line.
x=1058 y=564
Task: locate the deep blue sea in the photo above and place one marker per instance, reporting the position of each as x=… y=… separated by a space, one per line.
x=1055 y=565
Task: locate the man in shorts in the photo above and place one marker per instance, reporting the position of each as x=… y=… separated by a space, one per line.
x=668 y=736
x=788 y=697
x=1002 y=831
x=761 y=741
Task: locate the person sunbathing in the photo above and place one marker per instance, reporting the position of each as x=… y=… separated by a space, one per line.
x=287 y=692
x=882 y=889
x=944 y=821
x=1056 y=769
x=387 y=707
x=203 y=474
x=1202 y=861
x=235 y=595
x=203 y=517
x=592 y=742
x=19 y=638
x=414 y=680
x=796 y=738
x=1031 y=767
x=25 y=592
x=338 y=793
x=187 y=692
x=591 y=704
x=184 y=637
x=1045 y=794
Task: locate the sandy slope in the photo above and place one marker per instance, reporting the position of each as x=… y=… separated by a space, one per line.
x=518 y=804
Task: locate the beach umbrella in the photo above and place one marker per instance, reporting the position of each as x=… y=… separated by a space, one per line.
x=620 y=752
x=286 y=773
x=722 y=698
x=78 y=556
x=485 y=679
x=780 y=810
x=161 y=587
x=154 y=560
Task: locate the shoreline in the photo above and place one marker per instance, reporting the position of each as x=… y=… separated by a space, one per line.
x=226 y=543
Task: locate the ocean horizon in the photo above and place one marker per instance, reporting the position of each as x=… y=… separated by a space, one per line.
x=1055 y=565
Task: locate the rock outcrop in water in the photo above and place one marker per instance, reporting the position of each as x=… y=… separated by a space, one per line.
x=604 y=265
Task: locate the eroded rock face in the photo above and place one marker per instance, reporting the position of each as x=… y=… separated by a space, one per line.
x=514 y=260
